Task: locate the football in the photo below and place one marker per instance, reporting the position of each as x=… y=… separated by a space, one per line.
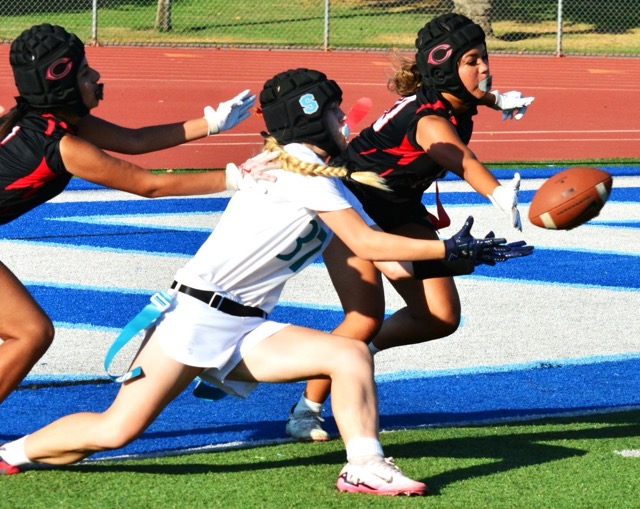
x=570 y=198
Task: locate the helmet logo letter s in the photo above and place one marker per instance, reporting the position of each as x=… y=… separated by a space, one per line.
x=439 y=54
x=309 y=104
x=56 y=72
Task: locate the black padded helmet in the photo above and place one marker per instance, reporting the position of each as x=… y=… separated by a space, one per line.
x=293 y=105
x=441 y=43
x=45 y=60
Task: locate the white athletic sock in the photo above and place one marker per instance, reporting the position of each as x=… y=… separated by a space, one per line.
x=305 y=404
x=360 y=449
x=373 y=349
x=13 y=453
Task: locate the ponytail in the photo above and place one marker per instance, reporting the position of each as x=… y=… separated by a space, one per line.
x=293 y=164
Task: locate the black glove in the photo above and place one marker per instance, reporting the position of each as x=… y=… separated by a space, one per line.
x=516 y=249
x=463 y=245
x=503 y=252
x=463 y=253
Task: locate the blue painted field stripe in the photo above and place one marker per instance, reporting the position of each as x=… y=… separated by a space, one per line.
x=562 y=267
x=521 y=366
x=54 y=222
x=50 y=212
x=623 y=223
x=114 y=309
x=162 y=242
x=432 y=400
x=166 y=240
x=95 y=306
x=618 y=195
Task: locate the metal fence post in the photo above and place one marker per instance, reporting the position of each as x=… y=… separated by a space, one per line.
x=94 y=23
x=559 y=34
x=325 y=44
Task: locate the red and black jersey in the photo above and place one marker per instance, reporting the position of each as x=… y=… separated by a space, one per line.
x=389 y=148
x=31 y=168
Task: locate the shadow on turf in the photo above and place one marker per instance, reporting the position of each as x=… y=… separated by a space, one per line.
x=509 y=450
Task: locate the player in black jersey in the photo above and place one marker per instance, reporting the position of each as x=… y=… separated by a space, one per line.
x=416 y=141
x=51 y=136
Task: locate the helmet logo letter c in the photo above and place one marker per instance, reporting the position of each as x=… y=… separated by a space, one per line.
x=309 y=104
x=53 y=74
x=439 y=54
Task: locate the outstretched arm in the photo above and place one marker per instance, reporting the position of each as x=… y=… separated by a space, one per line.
x=374 y=245
x=441 y=142
x=124 y=140
x=378 y=246
x=86 y=161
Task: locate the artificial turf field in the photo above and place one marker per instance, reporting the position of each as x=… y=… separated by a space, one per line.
x=555 y=463
x=552 y=337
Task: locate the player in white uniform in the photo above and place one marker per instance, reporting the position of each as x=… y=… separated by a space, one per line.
x=216 y=326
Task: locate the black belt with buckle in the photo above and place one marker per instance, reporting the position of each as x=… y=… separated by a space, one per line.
x=217 y=301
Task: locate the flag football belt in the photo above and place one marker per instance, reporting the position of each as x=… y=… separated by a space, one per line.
x=160 y=302
x=217 y=301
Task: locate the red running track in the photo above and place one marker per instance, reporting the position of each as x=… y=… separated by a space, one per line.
x=585 y=108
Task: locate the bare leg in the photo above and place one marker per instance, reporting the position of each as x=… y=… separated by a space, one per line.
x=359 y=287
x=297 y=353
x=138 y=403
x=432 y=311
x=433 y=306
x=25 y=329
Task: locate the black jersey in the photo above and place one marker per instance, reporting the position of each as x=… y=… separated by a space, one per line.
x=389 y=148
x=31 y=168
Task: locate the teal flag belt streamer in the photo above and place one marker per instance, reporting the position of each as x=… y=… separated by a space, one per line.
x=160 y=302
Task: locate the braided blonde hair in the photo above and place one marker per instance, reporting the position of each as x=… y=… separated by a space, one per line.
x=291 y=163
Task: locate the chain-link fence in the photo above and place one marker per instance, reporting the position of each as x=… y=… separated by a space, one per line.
x=609 y=27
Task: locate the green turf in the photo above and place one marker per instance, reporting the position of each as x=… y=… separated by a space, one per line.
x=557 y=463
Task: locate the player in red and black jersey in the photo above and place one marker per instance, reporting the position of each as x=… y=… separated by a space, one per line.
x=416 y=141
x=390 y=146
x=51 y=136
x=32 y=168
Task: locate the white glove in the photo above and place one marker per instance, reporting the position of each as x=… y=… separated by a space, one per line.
x=505 y=198
x=512 y=104
x=251 y=171
x=229 y=113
